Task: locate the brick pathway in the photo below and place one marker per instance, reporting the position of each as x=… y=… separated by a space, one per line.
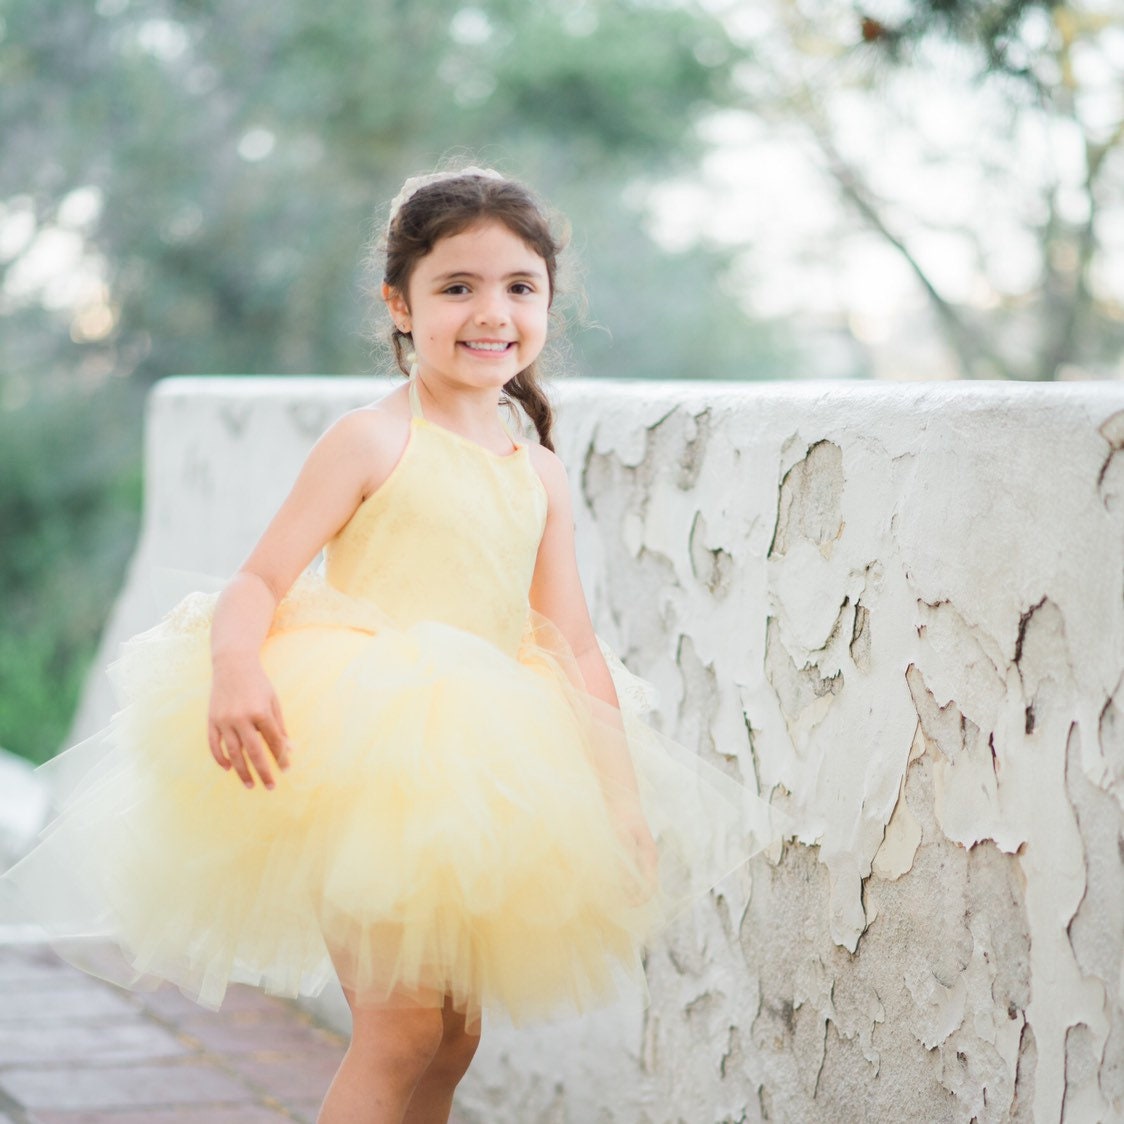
x=74 y=1050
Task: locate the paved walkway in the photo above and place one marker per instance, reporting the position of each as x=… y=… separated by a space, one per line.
x=74 y=1050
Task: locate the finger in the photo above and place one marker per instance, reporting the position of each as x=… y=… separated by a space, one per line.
x=233 y=744
x=275 y=739
x=214 y=740
x=254 y=748
x=278 y=717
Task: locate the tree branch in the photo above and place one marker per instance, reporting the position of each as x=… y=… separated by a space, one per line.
x=971 y=349
x=1064 y=340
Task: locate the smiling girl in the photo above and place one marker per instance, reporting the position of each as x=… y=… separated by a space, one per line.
x=426 y=785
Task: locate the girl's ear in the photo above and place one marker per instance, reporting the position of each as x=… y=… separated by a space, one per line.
x=397 y=307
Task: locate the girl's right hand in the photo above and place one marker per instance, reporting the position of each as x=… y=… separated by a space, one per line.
x=244 y=724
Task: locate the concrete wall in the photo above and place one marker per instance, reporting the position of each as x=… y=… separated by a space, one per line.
x=896 y=609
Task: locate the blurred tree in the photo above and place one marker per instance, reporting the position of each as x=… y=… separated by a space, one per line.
x=994 y=28
x=985 y=133
x=1059 y=53
x=69 y=492
x=218 y=164
x=187 y=186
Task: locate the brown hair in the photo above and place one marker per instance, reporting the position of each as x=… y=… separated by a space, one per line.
x=447 y=207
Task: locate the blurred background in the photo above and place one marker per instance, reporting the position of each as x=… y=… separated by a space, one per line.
x=905 y=189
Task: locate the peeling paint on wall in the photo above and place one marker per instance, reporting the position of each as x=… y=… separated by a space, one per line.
x=898 y=612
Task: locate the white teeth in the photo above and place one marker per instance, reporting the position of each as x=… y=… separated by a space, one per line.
x=486 y=346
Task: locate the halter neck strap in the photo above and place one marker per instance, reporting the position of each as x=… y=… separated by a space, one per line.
x=514 y=437
x=416 y=412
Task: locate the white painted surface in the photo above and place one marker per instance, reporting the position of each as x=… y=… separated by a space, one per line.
x=24 y=802
x=899 y=610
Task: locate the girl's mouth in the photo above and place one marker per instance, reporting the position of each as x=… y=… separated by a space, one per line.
x=488 y=347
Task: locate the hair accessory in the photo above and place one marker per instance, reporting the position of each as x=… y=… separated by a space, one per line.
x=415 y=183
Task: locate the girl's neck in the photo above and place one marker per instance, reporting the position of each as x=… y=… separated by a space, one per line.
x=472 y=412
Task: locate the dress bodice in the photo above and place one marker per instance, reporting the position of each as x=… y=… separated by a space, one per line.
x=451 y=535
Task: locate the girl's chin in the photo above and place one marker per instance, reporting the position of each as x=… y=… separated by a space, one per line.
x=479 y=378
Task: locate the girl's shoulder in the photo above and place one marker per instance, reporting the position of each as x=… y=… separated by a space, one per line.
x=371 y=437
x=545 y=460
x=373 y=426
x=552 y=473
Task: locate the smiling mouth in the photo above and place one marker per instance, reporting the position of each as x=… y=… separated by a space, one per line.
x=489 y=347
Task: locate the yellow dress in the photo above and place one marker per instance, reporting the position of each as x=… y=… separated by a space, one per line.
x=447 y=826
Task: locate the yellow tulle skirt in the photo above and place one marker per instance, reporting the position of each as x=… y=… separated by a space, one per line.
x=449 y=826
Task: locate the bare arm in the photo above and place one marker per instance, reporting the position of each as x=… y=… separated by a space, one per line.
x=352 y=458
x=556 y=589
x=556 y=592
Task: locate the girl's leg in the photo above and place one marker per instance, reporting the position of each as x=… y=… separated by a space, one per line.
x=433 y=1096
x=390 y=1050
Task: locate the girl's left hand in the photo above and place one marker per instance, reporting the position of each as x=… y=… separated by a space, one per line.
x=645 y=853
x=637 y=837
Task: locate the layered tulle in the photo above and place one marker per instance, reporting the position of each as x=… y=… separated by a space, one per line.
x=453 y=821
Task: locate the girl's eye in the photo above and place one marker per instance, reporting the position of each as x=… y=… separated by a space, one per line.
x=521 y=288
x=457 y=290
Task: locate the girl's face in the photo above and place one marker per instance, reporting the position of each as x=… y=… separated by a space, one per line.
x=477 y=306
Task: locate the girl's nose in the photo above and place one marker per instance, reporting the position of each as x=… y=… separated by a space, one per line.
x=491 y=309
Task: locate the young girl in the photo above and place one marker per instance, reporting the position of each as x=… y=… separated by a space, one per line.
x=410 y=768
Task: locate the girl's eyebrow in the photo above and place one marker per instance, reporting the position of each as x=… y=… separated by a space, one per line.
x=469 y=275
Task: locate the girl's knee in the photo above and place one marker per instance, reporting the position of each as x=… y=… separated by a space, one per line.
x=404 y=1042
x=455 y=1053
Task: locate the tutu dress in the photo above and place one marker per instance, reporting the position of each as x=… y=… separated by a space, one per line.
x=448 y=825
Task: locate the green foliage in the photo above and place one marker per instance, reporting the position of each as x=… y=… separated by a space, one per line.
x=239 y=153
x=68 y=514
